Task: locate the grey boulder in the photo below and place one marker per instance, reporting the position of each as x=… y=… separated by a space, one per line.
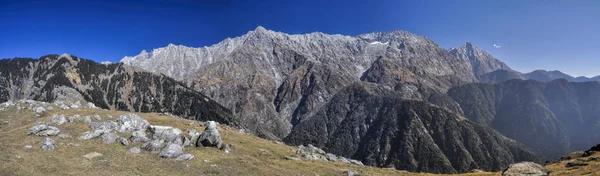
x=186 y=142
x=109 y=137
x=132 y=122
x=106 y=125
x=139 y=136
x=525 y=169
x=96 y=117
x=210 y=137
x=43 y=130
x=74 y=118
x=91 y=135
x=64 y=136
x=185 y=157
x=171 y=151
x=313 y=149
x=135 y=150
x=48 y=145
x=123 y=141
x=39 y=111
x=87 y=119
x=154 y=145
x=194 y=135
x=57 y=120
x=167 y=133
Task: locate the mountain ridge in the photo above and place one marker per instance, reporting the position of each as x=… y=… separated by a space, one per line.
x=110 y=86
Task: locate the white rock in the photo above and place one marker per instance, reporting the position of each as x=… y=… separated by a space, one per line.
x=43 y=130
x=210 y=137
x=132 y=122
x=185 y=157
x=171 y=151
x=57 y=120
x=48 y=145
x=135 y=150
x=167 y=133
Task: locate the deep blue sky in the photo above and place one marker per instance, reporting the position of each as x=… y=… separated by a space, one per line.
x=534 y=34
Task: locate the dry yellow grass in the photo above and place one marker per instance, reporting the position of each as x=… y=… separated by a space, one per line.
x=246 y=158
x=593 y=169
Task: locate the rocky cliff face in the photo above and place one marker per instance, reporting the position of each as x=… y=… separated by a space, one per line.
x=558 y=113
x=109 y=86
x=271 y=79
x=375 y=125
x=480 y=61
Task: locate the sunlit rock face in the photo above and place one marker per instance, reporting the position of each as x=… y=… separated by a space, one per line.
x=272 y=80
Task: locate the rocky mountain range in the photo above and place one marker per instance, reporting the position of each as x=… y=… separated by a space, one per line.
x=387 y=99
x=69 y=79
x=272 y=80
x=279 y=85
x=480 y=61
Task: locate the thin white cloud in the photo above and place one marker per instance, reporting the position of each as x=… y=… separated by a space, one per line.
x=497 y=46
x=106 y=62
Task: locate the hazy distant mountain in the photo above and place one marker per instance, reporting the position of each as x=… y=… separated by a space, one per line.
x=553 y=117
x=538 y=75
x=545 y=76
x=109 y=86
x=491 y=70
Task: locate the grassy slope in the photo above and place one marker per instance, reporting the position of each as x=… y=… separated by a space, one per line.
x=245 y=159
x=592 y=169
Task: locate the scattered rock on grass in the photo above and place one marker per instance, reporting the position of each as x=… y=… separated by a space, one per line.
x=64 y=136
x=210 y=137
x=350 y=172
x=109 y=137
x=91 y=135
x=331 y=157
x=106 y=125
x=265 y=152
x=167 y=133
x=525 y=169
x=87 y=119
x=92 y=155
x=57 y=120
x=96 y=117
x=227 y=148
x=43 y=130
x=123 y=141
x=185 y=157
x=48 y=144
x=139 y=136
x=171 y=151
x=132 y=122
x=74 y=144
x=135 y=150
x=153 y=146
x=91 y=105
x=356 y=162
x=74 y=118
